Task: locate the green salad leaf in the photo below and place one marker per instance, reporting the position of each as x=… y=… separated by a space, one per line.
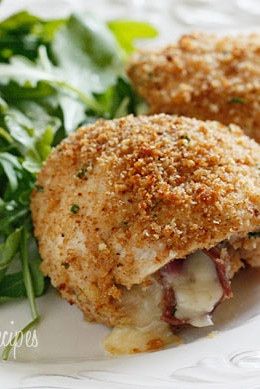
x=22 y=34
x=128 y=31
x=12 y=286
x=90 y=40
x=10 y=165
x=8 y=249
x=38 y=279
x=89 y=57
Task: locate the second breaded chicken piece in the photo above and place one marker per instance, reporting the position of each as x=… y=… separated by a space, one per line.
x=204 y=76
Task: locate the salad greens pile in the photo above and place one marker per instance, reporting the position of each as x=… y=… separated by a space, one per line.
x=55 y=76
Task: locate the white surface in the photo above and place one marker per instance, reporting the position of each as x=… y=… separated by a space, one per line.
x=69 y=354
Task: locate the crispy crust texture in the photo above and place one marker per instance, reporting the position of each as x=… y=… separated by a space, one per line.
x=120 y=199
x=204 y=76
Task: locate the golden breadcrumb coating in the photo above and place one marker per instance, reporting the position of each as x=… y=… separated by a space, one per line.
x=119 y=199
x=204 y=76
x=248 y=248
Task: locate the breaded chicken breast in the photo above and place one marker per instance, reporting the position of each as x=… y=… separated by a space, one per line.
x=203 y=76
x=143 y=221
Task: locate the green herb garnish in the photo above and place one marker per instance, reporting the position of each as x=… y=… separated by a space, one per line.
x=39 y=188
x=186 y=137
x=74 y=208
x=237 y=100
x=82 y=173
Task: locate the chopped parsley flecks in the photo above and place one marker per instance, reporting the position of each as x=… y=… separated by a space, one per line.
x=74 y=208
x=237 y=100
x=39 y=188
x=186 y=137
x=82 y=173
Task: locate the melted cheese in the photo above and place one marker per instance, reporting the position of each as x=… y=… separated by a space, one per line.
x=197 y=289
x=129 y=340
x=147 y=331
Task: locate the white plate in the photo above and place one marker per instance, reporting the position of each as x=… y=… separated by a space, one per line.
x=69 y=351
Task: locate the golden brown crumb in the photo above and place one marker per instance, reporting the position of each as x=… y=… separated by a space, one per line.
x=155 y=344
x=204 y=76
x=248 y=248
x=159 y=188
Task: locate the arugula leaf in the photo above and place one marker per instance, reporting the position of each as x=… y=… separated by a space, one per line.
x=128 y=31
x=37 y=277
x=13 y=92
x=23 y=33
x=95 y=49
x=29 y=288
x=26 y=273
x=119 y=100
x=6 y=299
x=4 y=134
x=33 y=130
x=14 y=205
x=25 y=72
x=12 y=286
x=90 y=38
x=20 y=21
x=3 y=105
x=8 y=249
x=9 y=164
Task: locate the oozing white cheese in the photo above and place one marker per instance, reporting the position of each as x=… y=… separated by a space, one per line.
x=197 y=289
x=128 y=340
x=146 y=330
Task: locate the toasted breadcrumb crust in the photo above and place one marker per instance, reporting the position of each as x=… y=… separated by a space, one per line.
x=122 y=198
x=248 y=248
x=204 y=76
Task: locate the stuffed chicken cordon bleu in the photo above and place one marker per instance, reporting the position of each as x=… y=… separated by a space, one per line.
x=204 y=76
x=143 y=221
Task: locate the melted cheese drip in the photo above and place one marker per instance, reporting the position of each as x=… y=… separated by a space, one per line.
x=130 y=340
x=197 y=289
x=147 y=331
